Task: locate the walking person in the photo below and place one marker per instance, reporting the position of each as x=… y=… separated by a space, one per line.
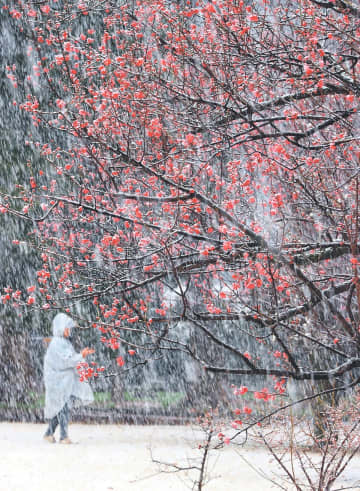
x=62 y=384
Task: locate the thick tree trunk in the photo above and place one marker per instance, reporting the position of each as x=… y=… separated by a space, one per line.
x=320 y=408
x=16 y=370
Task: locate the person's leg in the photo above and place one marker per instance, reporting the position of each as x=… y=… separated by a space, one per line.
x=52 y=426
x=63 y=417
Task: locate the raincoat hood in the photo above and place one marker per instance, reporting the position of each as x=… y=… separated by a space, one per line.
x=60 y=323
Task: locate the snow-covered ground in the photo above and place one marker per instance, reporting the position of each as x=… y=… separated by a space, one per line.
x=118 y=457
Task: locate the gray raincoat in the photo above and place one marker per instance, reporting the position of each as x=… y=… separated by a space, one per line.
x=60 y=374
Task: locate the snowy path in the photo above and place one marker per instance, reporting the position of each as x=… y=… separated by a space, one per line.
x=116 y=457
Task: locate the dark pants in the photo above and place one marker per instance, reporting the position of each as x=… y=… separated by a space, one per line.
x=61 y=418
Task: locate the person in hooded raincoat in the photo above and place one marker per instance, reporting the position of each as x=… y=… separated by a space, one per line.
x=62 y=384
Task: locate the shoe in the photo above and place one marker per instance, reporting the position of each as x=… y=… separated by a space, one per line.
x=49 y=438
x=66 y=441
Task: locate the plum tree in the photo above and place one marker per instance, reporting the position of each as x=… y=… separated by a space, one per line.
x=205 y=190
